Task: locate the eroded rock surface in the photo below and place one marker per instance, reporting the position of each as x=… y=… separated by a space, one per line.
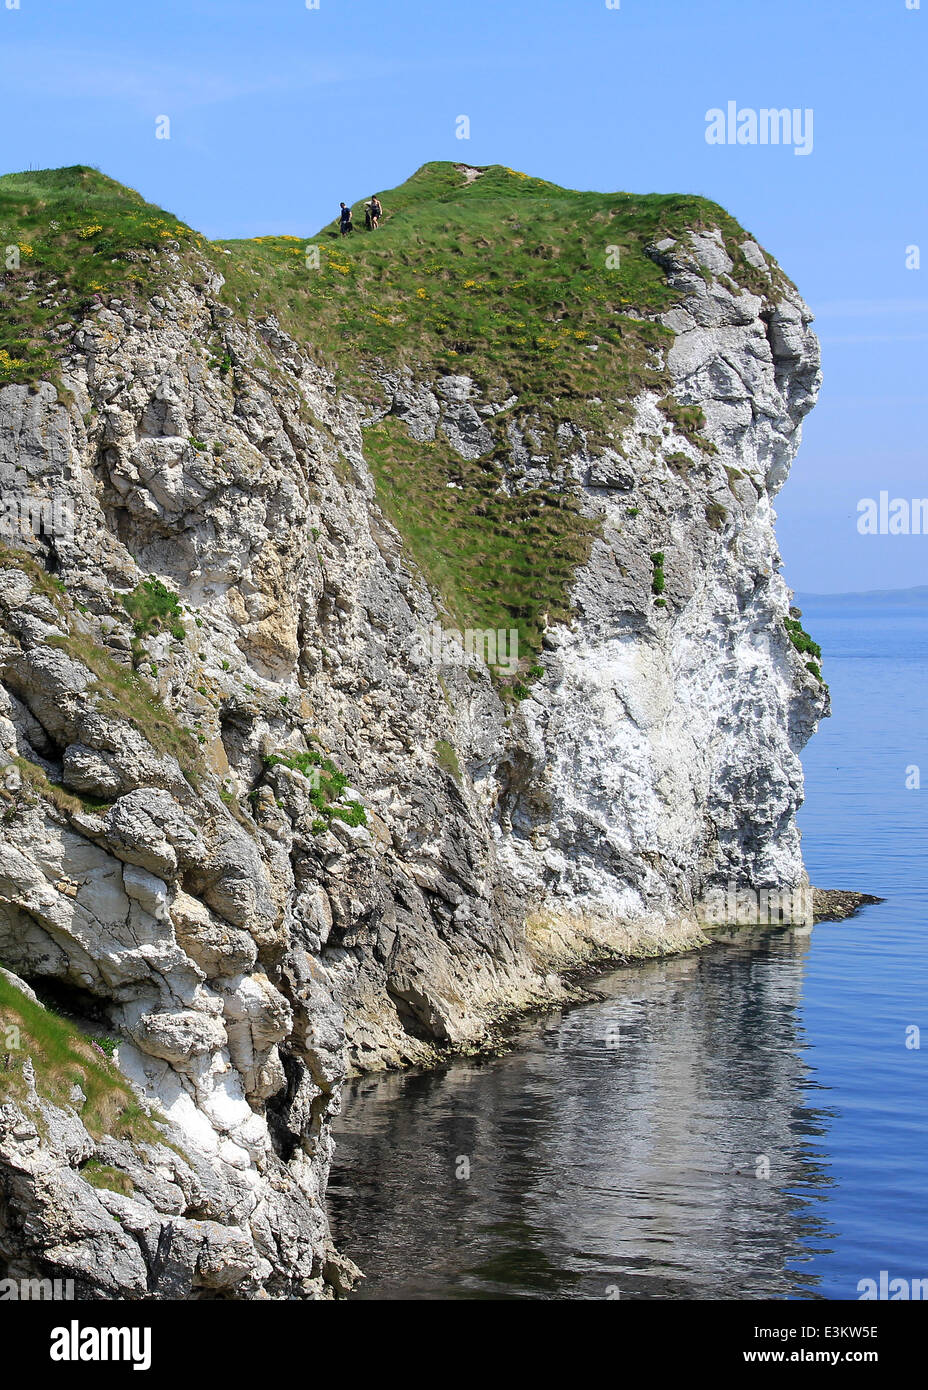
x=162 y=872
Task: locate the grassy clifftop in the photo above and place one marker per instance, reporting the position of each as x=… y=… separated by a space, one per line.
x=509 y=278
x=502 y=275
x=70 y=238
x=533 y=290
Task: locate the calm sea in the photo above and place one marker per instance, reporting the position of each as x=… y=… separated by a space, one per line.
x=742 y=1122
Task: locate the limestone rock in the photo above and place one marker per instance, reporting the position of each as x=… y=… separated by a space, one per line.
x=243 y=949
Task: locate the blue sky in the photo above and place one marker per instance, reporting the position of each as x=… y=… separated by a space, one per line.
x=279 y=112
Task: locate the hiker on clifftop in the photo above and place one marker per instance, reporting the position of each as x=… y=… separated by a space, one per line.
x=376 y=211
x=345 y=222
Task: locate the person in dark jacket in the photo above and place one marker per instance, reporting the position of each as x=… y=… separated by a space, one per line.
x=345 y=222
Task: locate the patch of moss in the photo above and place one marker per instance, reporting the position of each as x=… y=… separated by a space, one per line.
x=49 y=585
x=716 y=515
x=688 y=420
x=447 y=758
x=327 y=785
x=154 y=607
x=38 y=780
x=801 y=639
x=102 y=1175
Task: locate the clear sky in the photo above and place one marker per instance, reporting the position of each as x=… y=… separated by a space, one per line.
x=278 y=112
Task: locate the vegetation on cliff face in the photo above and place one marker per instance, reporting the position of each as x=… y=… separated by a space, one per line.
x=124 y=693
x=117 y=687
x=500 y=559
x=69 y=239
x=534 y=291
x=804 y=644
x=62 y=1058
x=153 y=607
x=327 y=784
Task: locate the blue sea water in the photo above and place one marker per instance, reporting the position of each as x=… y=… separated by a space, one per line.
x=866 y=980
x=742 y=1122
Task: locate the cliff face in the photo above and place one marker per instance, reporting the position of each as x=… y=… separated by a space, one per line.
x=272 y=830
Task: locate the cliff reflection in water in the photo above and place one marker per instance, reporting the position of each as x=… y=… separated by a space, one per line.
x=615 y=1150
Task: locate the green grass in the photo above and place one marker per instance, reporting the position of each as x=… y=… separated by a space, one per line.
x=509 y=279
x=498 y=560
x=36 y=778
x=63 y=1057
x=103 y=1175
x=48 y=585
x=689 y=420
x=81 y=237
x=447 y=758
x=154 y=607
x=328 y=786
x=801 y=639
x=505 y=278
x=121 y=691
x=716 y=515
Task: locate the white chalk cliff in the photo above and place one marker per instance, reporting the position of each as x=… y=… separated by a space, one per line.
x=245 y=955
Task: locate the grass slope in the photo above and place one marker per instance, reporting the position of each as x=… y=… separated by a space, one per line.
x=69 y=238
x=507 y=278
x=64 y=1057
x=529 y=288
